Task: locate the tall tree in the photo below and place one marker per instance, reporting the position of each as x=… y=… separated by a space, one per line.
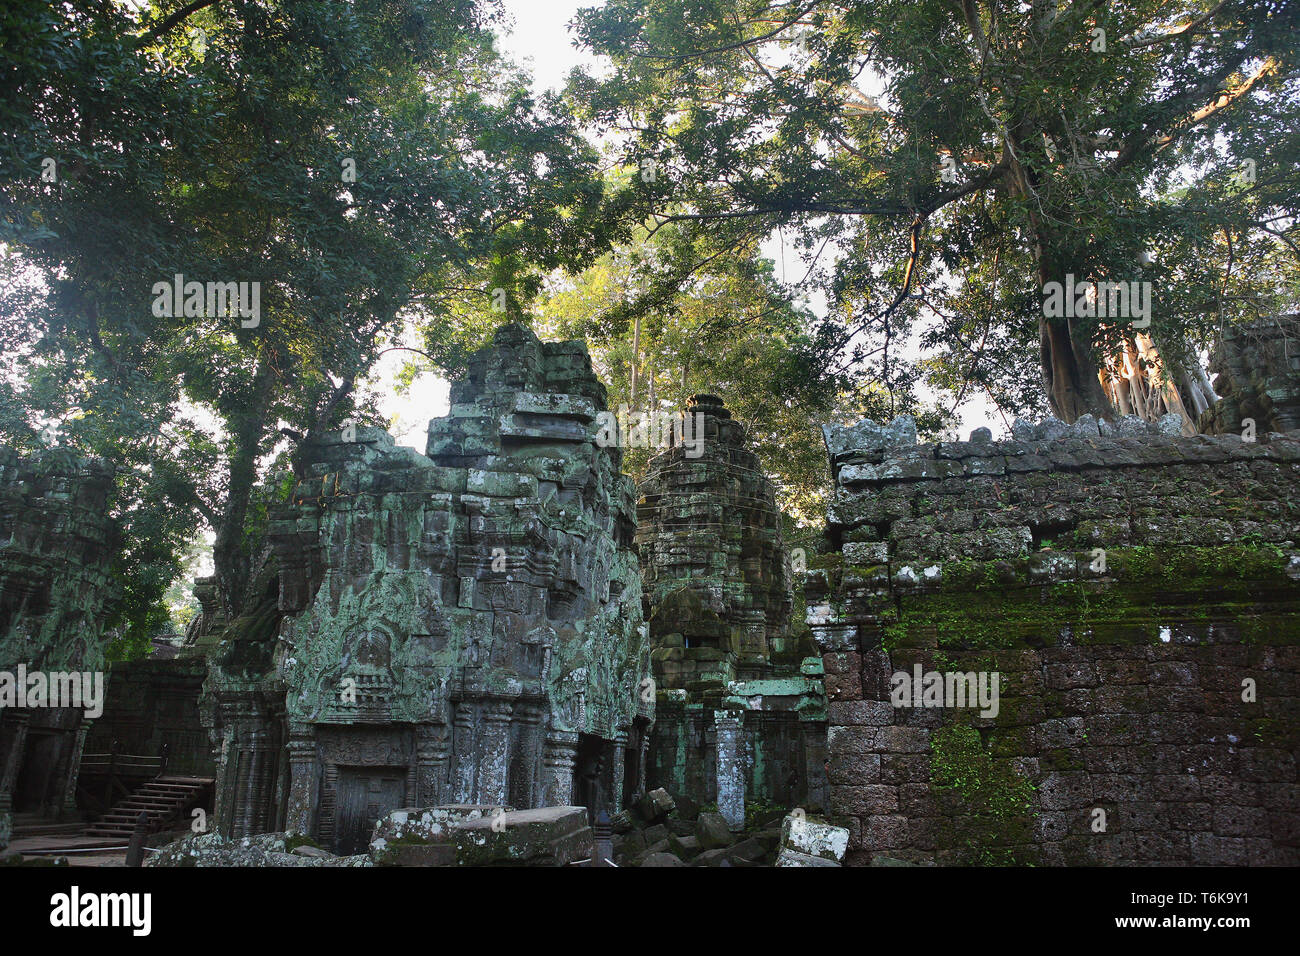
x=963 y=154
x=362 y=163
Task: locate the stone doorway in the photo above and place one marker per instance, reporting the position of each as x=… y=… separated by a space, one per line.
x=364 y=795
x=593 y=775
x=634 y=769
x=37 y=789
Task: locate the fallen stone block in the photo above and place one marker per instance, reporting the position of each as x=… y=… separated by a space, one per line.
x=684 y=846
x=678 y=827
x=422 y=836
x=749 y=852
x=546 y=836
x=687 y=809
x=712 y=831
x=790 y=857
x=812 y=837
x=661 y=859
x=262 y=849
x=711 y=857
x=631 y=843
x=660 y=847
x=654 y=806
x=312 y=851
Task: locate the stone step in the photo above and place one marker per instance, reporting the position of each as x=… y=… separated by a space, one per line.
x=26 y=829
x=146 y=793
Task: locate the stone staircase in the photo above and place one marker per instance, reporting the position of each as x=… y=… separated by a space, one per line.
x=163 y=799
x=34 y=825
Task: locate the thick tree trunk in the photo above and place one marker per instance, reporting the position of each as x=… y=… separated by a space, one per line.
x=636 y=361
x=1069 y=367
x=231 y=561
x=1070 y=373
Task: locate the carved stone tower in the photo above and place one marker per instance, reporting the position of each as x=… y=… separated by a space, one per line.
x=740 y=697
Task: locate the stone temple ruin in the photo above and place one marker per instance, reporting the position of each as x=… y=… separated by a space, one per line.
x=499 y=651
x=461 y=627
x=1257 y=373
x=741 y=704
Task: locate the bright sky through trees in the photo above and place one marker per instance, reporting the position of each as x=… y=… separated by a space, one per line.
x=541 y=42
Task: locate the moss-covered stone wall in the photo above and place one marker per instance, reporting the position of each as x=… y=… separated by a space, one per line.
x=56 y=554
x=1136 y=595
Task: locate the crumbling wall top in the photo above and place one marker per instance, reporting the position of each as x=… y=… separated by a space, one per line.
x=56 y=550
x=1085 y=485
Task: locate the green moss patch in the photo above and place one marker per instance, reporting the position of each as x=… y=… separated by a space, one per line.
x=996 y=802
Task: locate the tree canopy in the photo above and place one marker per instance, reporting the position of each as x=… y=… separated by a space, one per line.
x=960 y=156
x=363 y=163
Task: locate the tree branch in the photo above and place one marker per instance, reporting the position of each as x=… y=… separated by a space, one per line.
x=1225 y=99
x=184 y=13
x=1183 y=30
x=681 y=57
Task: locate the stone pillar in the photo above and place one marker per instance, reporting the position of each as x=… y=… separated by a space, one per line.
x=252 y=762
x=227 y=764
x=529 y=717
x=561 y=753
x=603 y=854
x=730 y=767
x=72 y=771
x=14 y=729
x=618 y=770
x=283 y=778
x=463 y=748
x=431 y=753
x=268 y=814
x=13 y=735
x=303 y=784
x=495 y=765
x=643 y=761
x=248 y=793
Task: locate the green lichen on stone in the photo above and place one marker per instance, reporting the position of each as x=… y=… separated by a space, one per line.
x=294 y=840
x=1143 y=592
x=993 y=803
x=729 y=636
x=466 y=613
x=435 y=586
